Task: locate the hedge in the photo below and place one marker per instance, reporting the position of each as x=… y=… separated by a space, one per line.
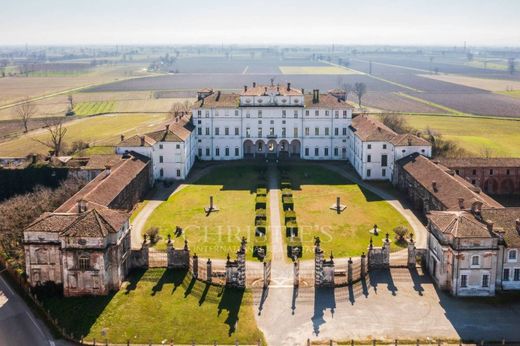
x=261 y=191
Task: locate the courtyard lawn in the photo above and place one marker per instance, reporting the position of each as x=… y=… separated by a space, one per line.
x=498 y=137
x=160 y=305
x=347 y=234
x=215 y=235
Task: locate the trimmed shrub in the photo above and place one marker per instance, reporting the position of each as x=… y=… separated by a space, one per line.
x=261 y=213
x=153 y=234
x=294 y=243
x=400 y=232
x=287 y=202
x=261 y=202
x=261 y=191
x=286 y=192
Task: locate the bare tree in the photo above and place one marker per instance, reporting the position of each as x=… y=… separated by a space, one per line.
x=56 y=135
x=396 y=122
x=180 y=108
x=348 y=89
x=360 y=89
x=25 y=111
x=511 y=67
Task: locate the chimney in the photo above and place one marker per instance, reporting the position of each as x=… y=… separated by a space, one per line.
x=517 y=224
x=476 y=207
x=167 y=127
x=34 y=158
x=254 y=84
x=122 y=138
x=82 y=206
x=245 y=88
x=288 y=86
x=218 y=96
x=142 y=141
x=434 y=183
x=303 y=91
x=316 y=96
x=461 y=203
x=108 y=170
x=489 y=224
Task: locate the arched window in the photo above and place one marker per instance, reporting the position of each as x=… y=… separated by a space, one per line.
x=512 y=255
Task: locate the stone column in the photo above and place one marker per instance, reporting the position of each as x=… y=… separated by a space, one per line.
x=370 y=253
x=145 y=250
x=412 y=259
x=296 y=273
x=241 y=261
x=386 y=251
x=195 y=266
x=318 y=263
x=209 y=275
x=169 y=252
x=363 y=265
x=349 y=271
x=266 y=275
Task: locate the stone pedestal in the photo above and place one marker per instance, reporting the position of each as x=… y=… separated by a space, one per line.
x=296 y=272
x=412 y=256
x=349 y=271
x=195 y=266
x=209 y=274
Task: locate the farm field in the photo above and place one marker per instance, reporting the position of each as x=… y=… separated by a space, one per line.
x=99 y=130
x=473 y=133
x=393 y=102
x=480 y=83
x=217 y=234
x=94 y=107
x=347 y=234
x=159 y=305
x=13 y=89
x=316 y=70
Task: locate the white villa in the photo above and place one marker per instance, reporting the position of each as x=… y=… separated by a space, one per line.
x=273 y=121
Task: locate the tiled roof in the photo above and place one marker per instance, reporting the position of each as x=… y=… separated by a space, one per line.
x=282 y=90
x=447 y=188
x=96 y=222
x=408 y=139
x=481 y=162
x=51 y=222
x=326 y=101
x=460 y=224
x=177 y=131
x=104 y=188
x=219 y=100
x=505 y=220
x=101 y=161
x=137 y=141
x=371 y=130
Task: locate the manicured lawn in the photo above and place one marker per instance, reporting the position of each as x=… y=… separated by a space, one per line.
x=347 y=234
x=103 y=130
x=215 y=235
x=474 y=134
x=158 y=305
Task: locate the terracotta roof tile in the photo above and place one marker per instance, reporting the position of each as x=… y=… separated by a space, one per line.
x=481 y=162
x=326 y=101
x=460 y=224
x=372 y=130
x=505 y=219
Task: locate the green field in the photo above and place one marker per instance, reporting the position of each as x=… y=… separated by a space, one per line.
x=100 y=130
x=219 y=233
x=473 y=133
x=512 y=93
x=160 y=305
x=347 y=234
x=94 y=107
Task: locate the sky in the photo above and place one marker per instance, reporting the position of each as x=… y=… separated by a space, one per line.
x=361 y=22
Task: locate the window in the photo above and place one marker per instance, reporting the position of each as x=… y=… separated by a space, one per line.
x=316 y=151
x=473 y=181
x=216 y=113
x=207 y=131
x=237 y=131
x=369 y=172
x=160 y=146
x=226 y=151
x=344 y=114
x=326 y=131
x=475 y=261
x=284 y=131
x=200 y=152
x=306 y=151
x=178 y=146
x=369 y=158
x=383 y=172
x=84 y=262
x=457 y=172
x=326 y=151
x=336 y=114
x=516 y=274
x=259 y=132
x=336 y=131
x=326 y=113
x=384 y=146
x=295 y=132
x=217 y=151
x=284 y=113
x=271 y=131
x=207 y=114
x=237 y=151
x=336 y=151
x=506 y=274
x=463 y=280
x=259 y=113
x=307 y=113
x=369 y=146
x=160 y=159
x=199 y=131
x=384 y=160
x=226 y=131
x=199 y=113
x=490 y=172
x=316 y=113
x=511 y=255
x=248 y=132
x=306 y=131
x=236 y=113
x=296 y=114
x=161 y=172
x=474 y=172
x=344 y=131
x=207 y=152
x=316 y=131
x=178 y=172
x=217 y=131
x=485 y=280
x=507 y=172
